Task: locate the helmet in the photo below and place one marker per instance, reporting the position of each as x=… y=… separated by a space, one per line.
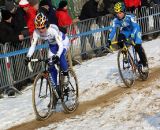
x=40 y=20
x=119 y=7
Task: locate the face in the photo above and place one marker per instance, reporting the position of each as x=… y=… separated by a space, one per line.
x=120 y=15
x=42 y=30
x=65 y=8
x=36 y=6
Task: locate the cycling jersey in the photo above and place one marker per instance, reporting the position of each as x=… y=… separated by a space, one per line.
x=53 y=36
x=128 y=26
x=58 y=44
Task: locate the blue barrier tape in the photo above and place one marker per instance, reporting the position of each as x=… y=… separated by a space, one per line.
x=46 y=45
x=90 y=32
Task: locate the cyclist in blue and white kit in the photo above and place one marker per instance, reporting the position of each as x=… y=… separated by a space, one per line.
x=58 y=45
x=129 y=28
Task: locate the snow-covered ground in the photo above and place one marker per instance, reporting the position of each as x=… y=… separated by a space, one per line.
x=133 y=111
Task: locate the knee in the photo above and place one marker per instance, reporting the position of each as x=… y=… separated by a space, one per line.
x=138 y=47
x=51 y=68
x=121 y=39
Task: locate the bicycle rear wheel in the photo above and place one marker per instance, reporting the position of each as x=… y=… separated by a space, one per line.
x=42 y=96
x=70 y=93
x=126 y=68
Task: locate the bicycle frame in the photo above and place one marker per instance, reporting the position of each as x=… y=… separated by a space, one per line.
x=48 y=75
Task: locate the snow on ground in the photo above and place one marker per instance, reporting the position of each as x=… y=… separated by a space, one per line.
x=135 y=111
x=91 y=75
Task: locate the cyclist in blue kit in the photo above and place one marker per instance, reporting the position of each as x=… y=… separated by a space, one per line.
x=129 y=28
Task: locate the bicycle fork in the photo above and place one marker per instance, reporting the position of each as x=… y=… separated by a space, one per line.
x=53 y=86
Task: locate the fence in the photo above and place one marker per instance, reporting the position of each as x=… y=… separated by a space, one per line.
x=87 y=36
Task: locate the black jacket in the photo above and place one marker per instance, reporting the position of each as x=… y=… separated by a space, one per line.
x=19 y=22
x=50 y=14
x=89 y=10
x=7 y=33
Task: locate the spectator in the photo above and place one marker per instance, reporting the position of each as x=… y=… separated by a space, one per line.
x=106 y=6
x=89 y=10
x=30 y=11
x=131 y=5
x=48 y=9
x=145 y=3
x=63 y=16
x=7 y=32
x=18 y=20
x=156 y=2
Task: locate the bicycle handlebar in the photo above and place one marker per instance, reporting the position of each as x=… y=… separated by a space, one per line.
x=40 y=60
x=130 y=40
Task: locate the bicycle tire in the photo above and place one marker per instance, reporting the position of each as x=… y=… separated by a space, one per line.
x=120 y=61
x=42 y=87
x=72 y=88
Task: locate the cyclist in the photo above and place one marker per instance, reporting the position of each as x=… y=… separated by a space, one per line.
x=57 y=50
x=129 y=28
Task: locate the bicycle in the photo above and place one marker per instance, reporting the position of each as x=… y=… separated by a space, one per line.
x=45 y=96
x=129 y=64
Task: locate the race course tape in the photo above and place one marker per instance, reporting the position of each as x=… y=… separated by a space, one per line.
x=18 y=52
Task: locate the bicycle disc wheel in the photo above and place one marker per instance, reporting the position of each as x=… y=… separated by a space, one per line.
x=42 y=96
x=70 y=93
x=125 y=67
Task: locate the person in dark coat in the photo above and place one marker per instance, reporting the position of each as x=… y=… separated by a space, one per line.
x=145 y=3
x=48 y=10
x=89 y=10
x=156 y=2
x=7 y=32
x=18 y=19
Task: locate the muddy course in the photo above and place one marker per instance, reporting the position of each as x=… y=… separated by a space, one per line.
x=103 y=101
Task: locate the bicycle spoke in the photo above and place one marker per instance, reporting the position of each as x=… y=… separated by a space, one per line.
x=125 y=68
x=42 y=97
x=70 y=97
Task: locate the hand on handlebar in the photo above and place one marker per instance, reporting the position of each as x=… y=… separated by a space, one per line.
x=27 y=60
x=108 y=43
x=55 y=59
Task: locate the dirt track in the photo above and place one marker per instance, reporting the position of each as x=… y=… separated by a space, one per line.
x=103 y=100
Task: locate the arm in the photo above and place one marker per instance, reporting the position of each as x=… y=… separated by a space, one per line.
x=60 y=44
x=113 y=29
x=134 y=25
x=56 y=33
x=33 y=44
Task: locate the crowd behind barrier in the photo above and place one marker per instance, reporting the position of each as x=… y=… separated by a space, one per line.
x=85 y=37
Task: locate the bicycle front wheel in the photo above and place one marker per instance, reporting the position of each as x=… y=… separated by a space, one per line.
x=42 y=96
x=126 y=68
x=70 y=93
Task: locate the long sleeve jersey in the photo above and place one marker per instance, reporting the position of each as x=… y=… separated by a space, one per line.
x=128 y=25
x=52 y=35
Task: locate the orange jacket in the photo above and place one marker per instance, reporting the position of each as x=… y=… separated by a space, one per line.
x=30 y=16
x=63 y=18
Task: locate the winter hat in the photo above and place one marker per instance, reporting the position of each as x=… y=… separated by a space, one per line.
x=62 y=4
x=10 y=5
x=5 y=14
x=33 y=2
x=43 y=2
x=23 y=3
